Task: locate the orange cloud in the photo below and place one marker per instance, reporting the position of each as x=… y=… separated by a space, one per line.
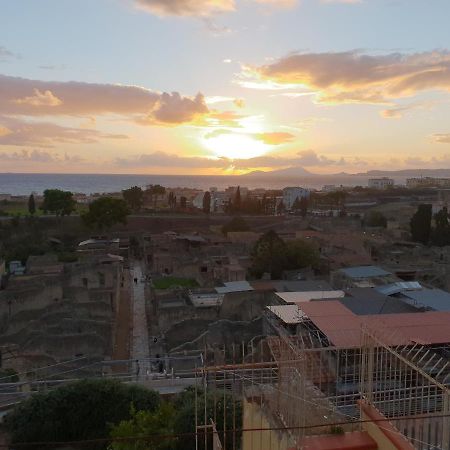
x=198 y=8
x=353 y=77
x=4 y=131
x=40 y=99
x=19 y=96
x=44 y=134
x=275 y=138
x=442 y=138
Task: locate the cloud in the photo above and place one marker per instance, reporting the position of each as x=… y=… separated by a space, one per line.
x=200 y=8
x=52 y=67
x=5 y=54
x=354 y=77
x=279 y=3
x=4 y=131
x=275 y=138
x=349 y=2
x=196 y=8
x=44 y=134
x=175 y=109
x=20 y=96
x=399 y=111
x=162 y=159
x=40 y=99
x=229 y=119
x=38 y=156
x=434 y=162
x=441 y=138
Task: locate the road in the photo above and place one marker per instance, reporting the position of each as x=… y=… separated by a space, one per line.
x=139 y=342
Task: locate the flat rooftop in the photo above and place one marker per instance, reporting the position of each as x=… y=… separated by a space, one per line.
x=306 y=296
x=234 y=286
x=288 y=314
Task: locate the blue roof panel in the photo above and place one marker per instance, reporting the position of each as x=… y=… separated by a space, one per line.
x=365 y=272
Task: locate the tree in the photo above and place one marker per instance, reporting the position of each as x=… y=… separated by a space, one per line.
x=440 y=235
x=303 y=206
x=441 y=218
x=375 y=219
x=421 y=224
x=235 y=224
x=155 y=190
x=106 y=212
x=301 y=254
x=80 y=410
x=207 y=202
x=281 y=208
x=300 y=205
x=237 y=200
x=31 y=205
x=183 y=202
x=172 y=200
x=269 y=255
x=58 y=202
x=146 y=423
x=272 y=255
x=223 y=405
x=134 y=197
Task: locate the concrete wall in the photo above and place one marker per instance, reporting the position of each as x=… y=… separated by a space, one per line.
x=254 y=417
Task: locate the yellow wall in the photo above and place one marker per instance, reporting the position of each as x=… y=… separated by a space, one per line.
x=261 y=440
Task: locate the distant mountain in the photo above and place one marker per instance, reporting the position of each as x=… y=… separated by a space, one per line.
x=289 y=172
x=293 y=172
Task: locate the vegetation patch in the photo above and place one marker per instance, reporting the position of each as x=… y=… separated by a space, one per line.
x=170 y=282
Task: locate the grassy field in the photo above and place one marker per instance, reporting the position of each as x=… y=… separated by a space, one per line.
x=168 y=282
x=20 y=208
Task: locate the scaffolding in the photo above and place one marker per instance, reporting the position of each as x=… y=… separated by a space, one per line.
x=397 y=381
x=302 y=385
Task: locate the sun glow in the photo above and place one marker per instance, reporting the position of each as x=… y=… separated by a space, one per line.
x=235 y=146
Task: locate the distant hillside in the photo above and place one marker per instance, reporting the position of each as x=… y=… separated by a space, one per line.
x=298 y=176
x=292 y=172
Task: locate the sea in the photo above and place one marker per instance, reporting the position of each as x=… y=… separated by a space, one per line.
x=27 y=183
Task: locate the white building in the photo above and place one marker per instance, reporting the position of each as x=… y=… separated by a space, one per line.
x=381 y=183
x=197 y=202
x=290 y=194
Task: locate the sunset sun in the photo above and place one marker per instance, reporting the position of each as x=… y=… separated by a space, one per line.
x=235 y=146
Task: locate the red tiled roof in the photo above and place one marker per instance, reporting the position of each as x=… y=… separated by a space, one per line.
x=343 y=328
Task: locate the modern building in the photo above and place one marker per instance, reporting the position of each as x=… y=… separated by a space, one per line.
x=381 y=183
x=290 y=194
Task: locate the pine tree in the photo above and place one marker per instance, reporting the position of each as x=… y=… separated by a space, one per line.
x=31 y=205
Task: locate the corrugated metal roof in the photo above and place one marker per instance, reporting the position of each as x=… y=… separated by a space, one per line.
x=436 y=299
x=395 y=288
x=364 y=272
x=234 y=286
x=299 y=297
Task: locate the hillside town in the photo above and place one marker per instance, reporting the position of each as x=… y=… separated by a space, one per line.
x=336 y=298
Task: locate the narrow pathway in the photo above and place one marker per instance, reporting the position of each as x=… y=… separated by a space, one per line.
x=123 y=325
x=139 y=344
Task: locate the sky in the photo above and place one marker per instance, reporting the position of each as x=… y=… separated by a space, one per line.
x=223 y=86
